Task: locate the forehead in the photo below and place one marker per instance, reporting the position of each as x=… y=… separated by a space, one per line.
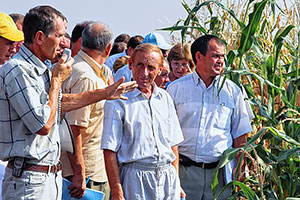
x=216 y=47
x=165 y=66
x=147 y=57
x=5 y=41
x=60 y=25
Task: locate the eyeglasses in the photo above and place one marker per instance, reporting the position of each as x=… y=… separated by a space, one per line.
x=177 y=65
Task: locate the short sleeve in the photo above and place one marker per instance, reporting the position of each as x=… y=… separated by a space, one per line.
x=112 y=126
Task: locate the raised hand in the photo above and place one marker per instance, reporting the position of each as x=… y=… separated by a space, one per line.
x=116 y=90
x=62 y=70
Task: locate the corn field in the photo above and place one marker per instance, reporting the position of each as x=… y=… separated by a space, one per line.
x=263 y=52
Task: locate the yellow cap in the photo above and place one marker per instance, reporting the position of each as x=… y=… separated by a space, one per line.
x=8 y=29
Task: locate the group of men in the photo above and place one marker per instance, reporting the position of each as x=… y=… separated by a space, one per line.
x=155 y=144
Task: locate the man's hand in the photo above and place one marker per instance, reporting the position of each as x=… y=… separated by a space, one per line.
x=182 y=193
x=116 y=90
x=241 y=175
x=77 y=189
x=117 y=197
x=62 y=70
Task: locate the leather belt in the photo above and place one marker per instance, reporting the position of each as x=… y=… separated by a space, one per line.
x=183 y=160
x=38 y=168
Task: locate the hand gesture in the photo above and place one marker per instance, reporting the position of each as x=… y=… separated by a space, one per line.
x=116 y=90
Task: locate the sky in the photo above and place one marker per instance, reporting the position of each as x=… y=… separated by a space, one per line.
x=134 y=17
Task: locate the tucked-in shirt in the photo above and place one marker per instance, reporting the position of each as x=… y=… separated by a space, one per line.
x=141 y=129
x=210 y=118
x=124 y=71
x=111 y=59
x=24 y=87
x=87 y=75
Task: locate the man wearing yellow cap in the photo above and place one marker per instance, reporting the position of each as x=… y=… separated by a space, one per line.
x=9 y=35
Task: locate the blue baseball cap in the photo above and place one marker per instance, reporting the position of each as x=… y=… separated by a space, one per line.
x=157 y=39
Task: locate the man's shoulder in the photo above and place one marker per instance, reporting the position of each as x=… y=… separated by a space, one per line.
x=181 y=82
x=82 y=68
x=15 y=66
x=229 y=85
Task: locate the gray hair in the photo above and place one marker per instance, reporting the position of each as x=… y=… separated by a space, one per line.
x=97 y=36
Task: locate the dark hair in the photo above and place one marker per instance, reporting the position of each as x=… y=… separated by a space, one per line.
x=118 y=47
x=40 y=18
x=201 y=45
x=96 y=37
x=77 y=31
x=16 y=16
x=122 y=38
x=135 y=41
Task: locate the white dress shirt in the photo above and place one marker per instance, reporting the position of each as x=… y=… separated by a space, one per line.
x=141 y=129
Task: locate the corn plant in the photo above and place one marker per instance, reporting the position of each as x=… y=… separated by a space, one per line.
x=263 y=58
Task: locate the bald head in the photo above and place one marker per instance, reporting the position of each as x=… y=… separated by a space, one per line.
x=96 y=36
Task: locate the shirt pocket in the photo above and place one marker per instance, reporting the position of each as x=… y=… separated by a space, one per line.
x=223 y=112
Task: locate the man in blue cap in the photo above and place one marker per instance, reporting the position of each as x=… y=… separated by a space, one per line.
x=158 y=40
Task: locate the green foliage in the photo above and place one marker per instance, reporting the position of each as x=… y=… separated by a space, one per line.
x=263 y=57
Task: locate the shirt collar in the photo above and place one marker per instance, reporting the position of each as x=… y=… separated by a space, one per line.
x=96 y=67
x=31 y=58
x=197 y=80
x=156 y=93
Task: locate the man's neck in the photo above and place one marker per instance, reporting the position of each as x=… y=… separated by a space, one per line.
x=207 y=80
x=36 y=51
x=147 y=91
x=96 y=55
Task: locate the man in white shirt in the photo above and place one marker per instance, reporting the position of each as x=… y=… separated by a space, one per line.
x=140 y=135
x=212 y=120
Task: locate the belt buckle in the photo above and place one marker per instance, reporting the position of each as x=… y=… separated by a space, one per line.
x=203 y=165
x=55 y=168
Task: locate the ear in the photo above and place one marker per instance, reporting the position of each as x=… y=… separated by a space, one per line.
x=198 y=56
x=129 y=51
x=39 y=37
x=130 y=63
x=108 y=49
x=79 y=41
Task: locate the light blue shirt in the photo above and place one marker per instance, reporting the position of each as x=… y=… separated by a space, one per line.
x=141 y=129
x=111 y=59
x=123 y=71
x=209 y=121
x=24 y=87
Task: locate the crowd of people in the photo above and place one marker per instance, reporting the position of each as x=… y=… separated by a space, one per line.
x=149 y=120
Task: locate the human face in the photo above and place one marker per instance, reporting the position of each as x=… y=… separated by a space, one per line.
x=7 y=50
x=180 y=67
x=50 y=48
x=163 y=78
x=145 y=68
x=211 y=65
x=64 y=43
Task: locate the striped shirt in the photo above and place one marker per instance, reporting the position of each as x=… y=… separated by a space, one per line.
x=24 y=87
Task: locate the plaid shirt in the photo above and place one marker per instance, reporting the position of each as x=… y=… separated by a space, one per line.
x=24 y=87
